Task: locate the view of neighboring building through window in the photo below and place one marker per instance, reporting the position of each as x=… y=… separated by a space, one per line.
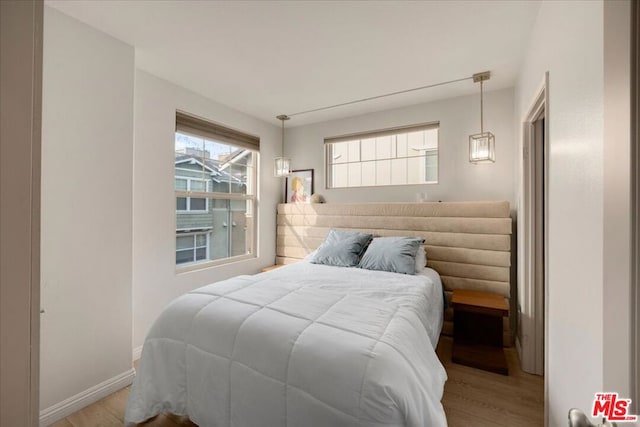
x=184 y=183
x=401 y=156
x=215 y=184
x=192 y=247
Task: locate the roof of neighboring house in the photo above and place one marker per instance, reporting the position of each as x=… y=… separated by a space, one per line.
x=210 y=165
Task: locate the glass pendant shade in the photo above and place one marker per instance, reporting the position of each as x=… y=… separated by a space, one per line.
x=482 y=148
x=282 y=167
x=282 y=164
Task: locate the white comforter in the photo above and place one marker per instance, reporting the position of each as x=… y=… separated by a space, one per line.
x=301 y=346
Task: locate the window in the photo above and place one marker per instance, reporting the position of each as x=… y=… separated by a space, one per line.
x=191 y=247
x=399 y=156
x=215 y=182
x=187 y=184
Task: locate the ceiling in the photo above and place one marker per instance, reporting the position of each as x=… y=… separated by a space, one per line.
x=266 y=58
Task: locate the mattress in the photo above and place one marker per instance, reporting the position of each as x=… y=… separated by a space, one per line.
x=303 y=345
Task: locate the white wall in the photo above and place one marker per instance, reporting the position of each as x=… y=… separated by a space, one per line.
x=458 y=179
x=87 y=175
x=567 y=40
x=155 y=281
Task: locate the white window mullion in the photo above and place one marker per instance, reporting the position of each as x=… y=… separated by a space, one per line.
x=208 y=244
x=195 y=247
x=206 y=201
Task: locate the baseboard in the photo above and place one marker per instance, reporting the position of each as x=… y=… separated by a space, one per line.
x=75 y=403
x=137 y=353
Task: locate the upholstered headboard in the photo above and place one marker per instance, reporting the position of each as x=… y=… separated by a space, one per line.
x=467 y=243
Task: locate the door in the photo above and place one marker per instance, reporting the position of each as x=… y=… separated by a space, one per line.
x=531 y=334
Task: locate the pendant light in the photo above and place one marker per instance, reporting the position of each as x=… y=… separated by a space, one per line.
x=282 y=164
x=482 y=145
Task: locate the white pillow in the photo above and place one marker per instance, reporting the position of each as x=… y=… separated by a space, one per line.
x=421 y=259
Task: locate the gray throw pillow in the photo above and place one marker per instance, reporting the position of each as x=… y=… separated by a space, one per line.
x=342 y=248
x=393 y=254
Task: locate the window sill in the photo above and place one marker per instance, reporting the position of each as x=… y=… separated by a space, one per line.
x=209 y=264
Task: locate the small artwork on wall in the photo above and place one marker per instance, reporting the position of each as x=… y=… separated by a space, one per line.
x=299 y=186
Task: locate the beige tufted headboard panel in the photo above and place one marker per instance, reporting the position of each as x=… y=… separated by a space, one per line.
x=468 y=243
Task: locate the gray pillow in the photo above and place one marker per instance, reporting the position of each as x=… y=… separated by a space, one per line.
x=393 y=254
x=421 y=259
x=342 y=248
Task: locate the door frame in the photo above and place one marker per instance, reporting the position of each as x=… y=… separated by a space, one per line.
x=635 y=206
x=533 y=324
x=21 y=104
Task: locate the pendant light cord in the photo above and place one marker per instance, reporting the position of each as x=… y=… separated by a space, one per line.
x=378 y=97
x=477 y=77
x=282 y=118
x=481 y=109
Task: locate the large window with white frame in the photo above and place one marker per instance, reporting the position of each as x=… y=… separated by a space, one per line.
x=215 y=189
x=398 y=156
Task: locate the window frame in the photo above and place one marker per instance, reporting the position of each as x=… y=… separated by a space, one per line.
x=250 y=213
x=360 y=136
x=251 y=197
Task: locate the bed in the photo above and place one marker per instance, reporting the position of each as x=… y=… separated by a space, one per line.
x=308 y=344
x=467 y=243
x=304 y=345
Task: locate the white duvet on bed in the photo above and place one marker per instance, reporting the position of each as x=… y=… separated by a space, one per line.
x=304 y=345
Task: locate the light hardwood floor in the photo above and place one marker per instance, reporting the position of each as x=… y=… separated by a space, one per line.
x=477 y=398
x=472 y=398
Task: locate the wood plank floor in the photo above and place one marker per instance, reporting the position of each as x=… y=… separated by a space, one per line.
x=472 y=398
x=477 y=398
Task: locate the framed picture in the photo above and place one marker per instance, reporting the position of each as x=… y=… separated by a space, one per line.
x=299 y=186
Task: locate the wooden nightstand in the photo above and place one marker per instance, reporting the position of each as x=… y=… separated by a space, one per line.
x=477 y=330
x=271 y=267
